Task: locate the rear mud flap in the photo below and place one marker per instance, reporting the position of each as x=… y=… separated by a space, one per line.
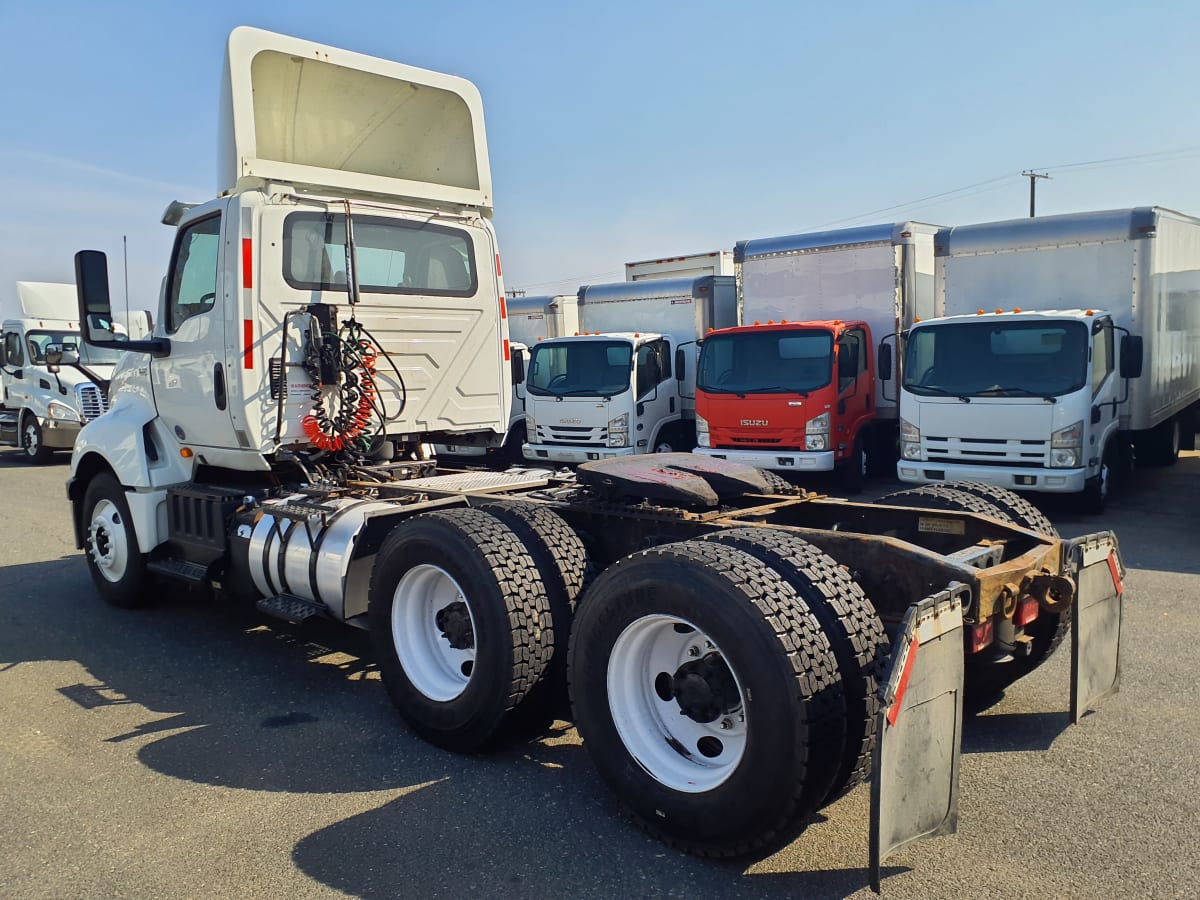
x=914 y=791
x=1096 y=630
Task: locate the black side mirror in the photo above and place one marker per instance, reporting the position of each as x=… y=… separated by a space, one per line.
x=680 y=361
x=885 y=361
x=54 y=355
x=1131 y=356
x=518 y=367
x=95 y=307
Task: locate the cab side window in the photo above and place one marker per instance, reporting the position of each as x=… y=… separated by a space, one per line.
x=653 y=366
x=1102 y=354
x=193 y=286
x=12 y=349
x=852 y=358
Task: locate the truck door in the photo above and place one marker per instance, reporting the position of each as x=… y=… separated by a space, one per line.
x=191 y=385
x=856 y=393
x=14 y=361
x=657 y=398
x=1105 y=386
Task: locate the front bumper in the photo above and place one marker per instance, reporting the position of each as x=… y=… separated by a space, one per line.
x=59 y=435
x=787 y=461
x=574 y=455
x=1015 y=478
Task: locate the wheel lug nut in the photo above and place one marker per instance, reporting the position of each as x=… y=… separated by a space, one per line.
x=726 y=724
x=693 y=651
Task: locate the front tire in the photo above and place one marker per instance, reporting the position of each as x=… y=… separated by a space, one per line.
x=703 y=687
x=460 y=622
x=115 y=562
x=854 y=469
x=33 y=441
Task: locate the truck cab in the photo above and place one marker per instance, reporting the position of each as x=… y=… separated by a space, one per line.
x=51 y=382
x=1021 y=400
x=599 y=396
x=788 y=396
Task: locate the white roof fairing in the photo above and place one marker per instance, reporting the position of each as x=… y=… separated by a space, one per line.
x=302 y=113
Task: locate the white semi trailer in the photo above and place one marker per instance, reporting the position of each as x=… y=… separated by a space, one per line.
x=1066 y=340
x=737 y=654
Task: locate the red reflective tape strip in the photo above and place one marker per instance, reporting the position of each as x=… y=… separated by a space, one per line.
x=248 y=343
x=507 y=357
x=503 y=309
x=894 y=710
x=247 y=260
x=499 y=274
x=1115 y=573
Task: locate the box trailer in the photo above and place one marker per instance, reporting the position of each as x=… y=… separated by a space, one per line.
x=693 y=265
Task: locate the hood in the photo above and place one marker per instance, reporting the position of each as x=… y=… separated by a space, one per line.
x=987 y=418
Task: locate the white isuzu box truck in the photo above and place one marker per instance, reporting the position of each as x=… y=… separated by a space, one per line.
x=626 y=385
x=1067 y=339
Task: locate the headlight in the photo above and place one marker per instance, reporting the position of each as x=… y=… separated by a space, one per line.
x=619 y=424
x=1066 y=446
x=618 y=439
x=819 y=425
x=62 y=413
x=816 y=442
x=702 y=438
x=530 y=429
x=910 y=440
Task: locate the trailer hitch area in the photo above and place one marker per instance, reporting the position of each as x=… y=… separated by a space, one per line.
x=1054 y=593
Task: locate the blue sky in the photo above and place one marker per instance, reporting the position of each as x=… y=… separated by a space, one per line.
x=624 y=131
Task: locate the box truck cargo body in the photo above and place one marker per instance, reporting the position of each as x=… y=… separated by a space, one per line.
x=693 y=265
x=1031 y=381
x=626 y=384
x=805 y=398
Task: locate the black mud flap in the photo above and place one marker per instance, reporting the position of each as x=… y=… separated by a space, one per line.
x=914 y=790
x=1096 y=630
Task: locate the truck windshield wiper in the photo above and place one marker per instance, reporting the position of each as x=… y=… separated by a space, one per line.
x=941 y=391
x=999 y=391
x=776 y=389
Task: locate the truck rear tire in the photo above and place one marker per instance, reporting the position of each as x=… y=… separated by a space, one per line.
x=564 y=566
x=115 y=562
x=1018 y=510
x=460 y=622
x=33 y=441
x=703 y=686
x=851 y=624
x=776 y=482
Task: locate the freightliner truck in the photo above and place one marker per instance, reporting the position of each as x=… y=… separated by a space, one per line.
x=1067 y=342
x=737 y=652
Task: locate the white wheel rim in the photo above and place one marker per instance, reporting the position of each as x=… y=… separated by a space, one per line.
x=433 y=663
x=109 y=545
x=676 y=750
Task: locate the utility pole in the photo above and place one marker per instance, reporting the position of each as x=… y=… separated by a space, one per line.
x=1033 y=177
x=515 y=293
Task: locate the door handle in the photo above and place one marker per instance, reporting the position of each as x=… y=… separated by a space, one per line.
x=219 y=386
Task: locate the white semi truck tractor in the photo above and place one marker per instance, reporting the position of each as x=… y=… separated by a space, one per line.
x=738 y=653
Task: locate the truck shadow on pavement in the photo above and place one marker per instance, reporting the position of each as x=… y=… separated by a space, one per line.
x=208 y=693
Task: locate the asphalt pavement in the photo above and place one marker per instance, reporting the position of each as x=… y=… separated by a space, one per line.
x=193 y=749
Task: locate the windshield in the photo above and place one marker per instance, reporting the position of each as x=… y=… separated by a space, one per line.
x=987 y=358
x=763 y=362
x=580 y=368
x=70 y=341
